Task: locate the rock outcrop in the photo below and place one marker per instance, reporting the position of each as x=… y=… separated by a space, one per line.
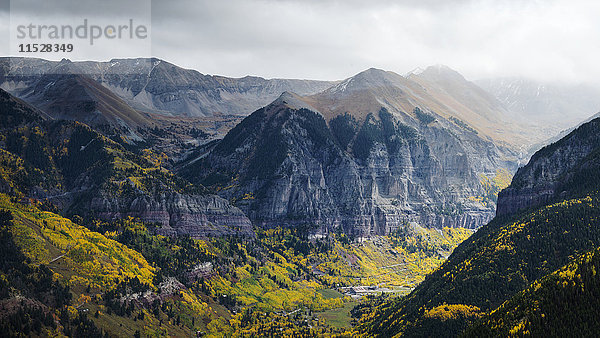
x=177 y=214
x=82 y=172
x=555 y=171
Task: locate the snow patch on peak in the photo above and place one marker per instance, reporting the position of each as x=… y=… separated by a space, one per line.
x=415 y=71
x=342 y=86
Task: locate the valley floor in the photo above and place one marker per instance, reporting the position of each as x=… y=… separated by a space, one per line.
x=120 y=278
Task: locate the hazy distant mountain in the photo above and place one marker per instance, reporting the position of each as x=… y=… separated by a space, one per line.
x=465 y=99
x=555 y=106
x=158 y=86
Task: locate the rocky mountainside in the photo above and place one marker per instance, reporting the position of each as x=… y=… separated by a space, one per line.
x=555 y=171
x=546 y=217
x=158 y=86
x=79 y=98
x=366 y=155
x=82 y=172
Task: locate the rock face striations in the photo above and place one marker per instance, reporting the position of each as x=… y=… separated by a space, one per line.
x=365 y=155
x=554 y=170
x=196 y=215
x=547 y=221
x=370 y=163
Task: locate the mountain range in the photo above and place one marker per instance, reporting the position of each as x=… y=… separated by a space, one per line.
x=157 y=86
x=367 y=154
x=140 y=198
x=556 y=106
x=81 y=172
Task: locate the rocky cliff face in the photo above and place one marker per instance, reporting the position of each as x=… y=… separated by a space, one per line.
x=176 y=214
x=111 y=183
x=555 y=171
x=285 y=165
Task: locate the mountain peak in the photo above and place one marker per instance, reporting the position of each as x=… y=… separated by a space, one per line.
x=373 y=73
x=415 y=71
x=367 y=79
x=291 y=100
x=440 y=71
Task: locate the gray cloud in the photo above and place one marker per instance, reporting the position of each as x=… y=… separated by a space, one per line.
x=556 y=40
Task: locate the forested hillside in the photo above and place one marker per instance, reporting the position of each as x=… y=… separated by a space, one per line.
x=564 y=303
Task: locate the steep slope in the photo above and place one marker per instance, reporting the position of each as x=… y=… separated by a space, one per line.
x=60 y=278
x=61 y=91
x=146 y=103
x=537 y=146
x=368 y=171
x=16 y=112
x=468 y=102
x=85 y=173
x=177 y=91
x=562 y=304
x=158 y=86
x=79 y=98
x=365 y=93
x=555 y=172
x=515 y=249
x=438 y=89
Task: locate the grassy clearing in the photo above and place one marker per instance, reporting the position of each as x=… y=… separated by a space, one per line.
x=340 y=317
x=330 y=293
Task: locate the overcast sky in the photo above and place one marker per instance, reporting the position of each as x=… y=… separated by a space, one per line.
x=327 y=39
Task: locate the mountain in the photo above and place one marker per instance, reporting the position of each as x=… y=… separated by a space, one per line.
x=563 y=304
x=554 y=172
x=552 y=106
x=468 y=102
x=366 y=155
x=545 y=217
x=80 y=98
x=83 y=172
x=158 y=86
x=149 y=103
x=437 y=88
x=537 y=146
x=16 y=112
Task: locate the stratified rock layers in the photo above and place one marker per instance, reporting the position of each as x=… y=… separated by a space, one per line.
x=284 y=165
